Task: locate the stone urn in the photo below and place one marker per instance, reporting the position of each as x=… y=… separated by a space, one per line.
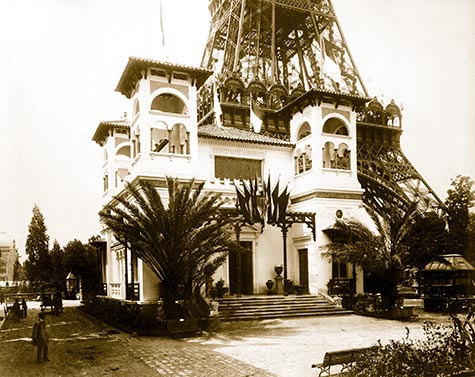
x=278 y=269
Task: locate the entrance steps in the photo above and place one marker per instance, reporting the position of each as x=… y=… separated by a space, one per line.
x=262 y=307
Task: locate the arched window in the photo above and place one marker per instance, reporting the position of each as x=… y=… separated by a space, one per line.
x=342 y=157
x=179 y=140
x=304 y=131
x=303 y=160
x=124 y=151
x=336 y=158
x=335 y=126
x=159 y=140
x=169 y=103
x=170 y=140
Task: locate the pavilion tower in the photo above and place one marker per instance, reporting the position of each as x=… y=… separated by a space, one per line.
x=273 y=58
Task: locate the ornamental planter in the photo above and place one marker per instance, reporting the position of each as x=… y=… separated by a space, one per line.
x=269 y=285
x=182 y=327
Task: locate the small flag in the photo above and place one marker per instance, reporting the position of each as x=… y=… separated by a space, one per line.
x=268 y=192
x=217 y=106
x=257 y=116
x=243 y=196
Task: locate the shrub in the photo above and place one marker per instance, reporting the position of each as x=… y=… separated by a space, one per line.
x=445 y=351
x=128 y=317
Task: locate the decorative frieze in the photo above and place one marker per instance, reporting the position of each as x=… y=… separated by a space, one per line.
x=154 y=85
x=327 y=195
x=326 y=111
x=238 y=152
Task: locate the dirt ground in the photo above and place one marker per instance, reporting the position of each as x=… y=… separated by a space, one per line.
x=79 y=345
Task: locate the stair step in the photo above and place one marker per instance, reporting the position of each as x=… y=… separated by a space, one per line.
x=286 y=315
x=277 y=303
x=260 y=307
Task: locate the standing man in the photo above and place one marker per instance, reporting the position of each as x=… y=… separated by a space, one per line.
x=24 y=307
x=40 y=338
x=16 y=310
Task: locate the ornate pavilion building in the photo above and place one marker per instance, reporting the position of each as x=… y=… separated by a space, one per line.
x=277 y=97
x=8 y=256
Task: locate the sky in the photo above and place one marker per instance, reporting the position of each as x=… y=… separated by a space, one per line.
x=60 y=62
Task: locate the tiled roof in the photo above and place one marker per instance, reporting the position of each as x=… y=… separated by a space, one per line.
x=320 y=93
x=103 y=128
x=452 y=262
x=115 y=123
x=133 y=72
x=236 y=134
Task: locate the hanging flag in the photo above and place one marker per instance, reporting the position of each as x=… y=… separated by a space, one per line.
x=321 y=60
x=257 y=116
x=268 y=194
x=328 y=66
x=283 y=203
x=243 y=196
x=275 y=202
x=217 y=106
x=254 y=209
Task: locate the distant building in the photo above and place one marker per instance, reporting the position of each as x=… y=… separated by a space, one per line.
x=8 y=256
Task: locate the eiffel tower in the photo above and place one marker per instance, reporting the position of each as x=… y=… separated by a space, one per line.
x=282 y=52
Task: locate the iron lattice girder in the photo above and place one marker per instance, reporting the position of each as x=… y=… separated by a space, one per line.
x=279 y=42
x=390 y=180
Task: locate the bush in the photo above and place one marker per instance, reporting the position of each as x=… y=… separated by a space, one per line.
x=445 y=351
x=128 y=317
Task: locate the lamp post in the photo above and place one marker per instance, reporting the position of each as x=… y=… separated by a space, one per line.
x=238 y=260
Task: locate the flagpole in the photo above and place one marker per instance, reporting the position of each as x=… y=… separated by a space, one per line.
x=162 y=32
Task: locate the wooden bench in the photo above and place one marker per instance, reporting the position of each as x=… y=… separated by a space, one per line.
x=345 y=358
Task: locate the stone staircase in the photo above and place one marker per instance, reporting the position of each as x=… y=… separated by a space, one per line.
x=261 y=307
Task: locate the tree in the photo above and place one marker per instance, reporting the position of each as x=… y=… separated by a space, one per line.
x=178 y=240
x=460 y=198
x=17 y=270
x=82 y=260
x=387 y=253
x=426 y=240
x=470 y=252
x=38 y=264
x=58 y=269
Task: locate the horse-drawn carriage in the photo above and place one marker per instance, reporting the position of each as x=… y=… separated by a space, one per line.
x=53 y=300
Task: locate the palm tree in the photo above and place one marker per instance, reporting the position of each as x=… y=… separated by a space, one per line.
x=178 y=240
x=386 y=253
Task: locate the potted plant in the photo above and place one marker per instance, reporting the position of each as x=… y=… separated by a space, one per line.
x=221 y=289
x=269 y=284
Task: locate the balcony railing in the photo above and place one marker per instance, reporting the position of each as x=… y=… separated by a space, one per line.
x=114 y=290
x=133 y=291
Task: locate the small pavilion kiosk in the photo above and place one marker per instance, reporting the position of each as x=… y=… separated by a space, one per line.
x=448 y=281
x=71 y=286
